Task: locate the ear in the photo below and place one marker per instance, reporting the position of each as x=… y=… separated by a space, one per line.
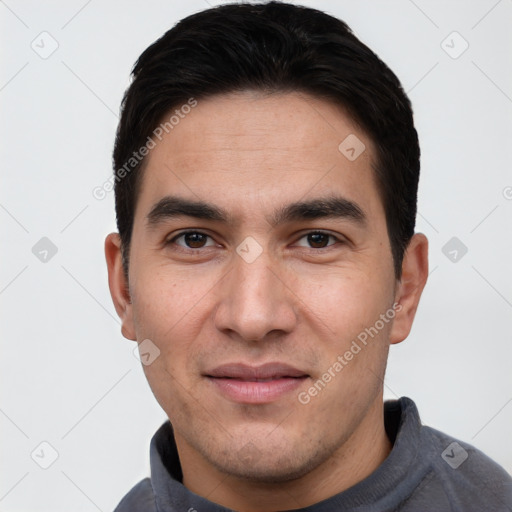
x=410 y=287
x=118 y=286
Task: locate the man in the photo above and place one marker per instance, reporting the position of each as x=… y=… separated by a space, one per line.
x=266 y=172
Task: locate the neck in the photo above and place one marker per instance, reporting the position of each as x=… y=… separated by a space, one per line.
x=362 y=453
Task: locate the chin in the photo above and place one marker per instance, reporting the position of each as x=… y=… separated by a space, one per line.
x=268 y=465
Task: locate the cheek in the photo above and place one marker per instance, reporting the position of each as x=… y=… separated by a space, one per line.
x=164 y=299
x=345 y=300
x=171 y=312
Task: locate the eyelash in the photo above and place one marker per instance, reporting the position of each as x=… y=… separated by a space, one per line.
x=191 y=249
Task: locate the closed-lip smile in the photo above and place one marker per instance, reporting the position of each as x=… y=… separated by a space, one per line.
x=243 y=383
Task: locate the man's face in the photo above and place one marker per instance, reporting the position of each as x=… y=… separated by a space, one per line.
x=252 y=299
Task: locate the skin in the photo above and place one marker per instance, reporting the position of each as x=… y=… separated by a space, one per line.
x=298 y=302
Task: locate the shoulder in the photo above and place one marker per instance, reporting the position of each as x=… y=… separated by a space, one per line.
x=140 y=497
x=468 y=477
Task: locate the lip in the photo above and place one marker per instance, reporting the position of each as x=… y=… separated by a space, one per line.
x=255 y=384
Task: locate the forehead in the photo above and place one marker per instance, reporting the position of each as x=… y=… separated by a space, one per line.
x=254 y=151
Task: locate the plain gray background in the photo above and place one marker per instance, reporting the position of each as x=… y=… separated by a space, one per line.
x=68 y=376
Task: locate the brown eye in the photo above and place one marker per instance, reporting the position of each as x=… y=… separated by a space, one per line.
x=318 y=240
x=193 y=240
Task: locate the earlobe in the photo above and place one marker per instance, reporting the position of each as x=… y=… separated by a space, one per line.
x=118 y=286
x=410 y=287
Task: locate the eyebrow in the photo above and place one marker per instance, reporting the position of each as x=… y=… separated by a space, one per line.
x=328 y=207
x=337 y=207
x=171 y=207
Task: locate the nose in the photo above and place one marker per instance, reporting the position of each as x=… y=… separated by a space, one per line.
x=256 y=303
